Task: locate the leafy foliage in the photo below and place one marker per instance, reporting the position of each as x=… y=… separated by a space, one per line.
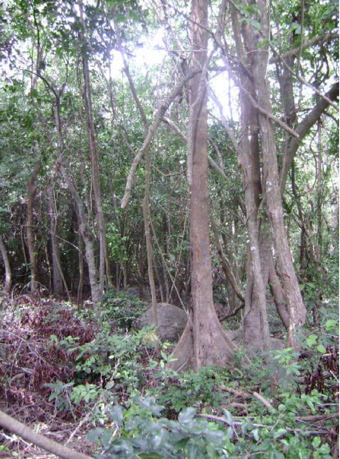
x=144 y=433
x=121 y=309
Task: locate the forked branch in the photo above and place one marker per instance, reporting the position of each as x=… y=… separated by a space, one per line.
x=151 y=134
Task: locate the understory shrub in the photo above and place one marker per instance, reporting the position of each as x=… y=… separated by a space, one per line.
x=141 y=432
x=121 y=309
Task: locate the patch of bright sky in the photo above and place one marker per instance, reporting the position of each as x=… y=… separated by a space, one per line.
x=152 y=53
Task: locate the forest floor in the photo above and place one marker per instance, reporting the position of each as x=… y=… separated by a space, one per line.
x=29 y=360
x=59 y=370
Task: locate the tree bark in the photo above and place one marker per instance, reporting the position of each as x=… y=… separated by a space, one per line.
x=146 y=216
x=88 y=237
x=103 y=252
x=31 y=191
x=271 y=182
x=58 y=279
x=30 y=436
x=255 y=324
x=81 y=271
x=204 y=341
x=8 y=271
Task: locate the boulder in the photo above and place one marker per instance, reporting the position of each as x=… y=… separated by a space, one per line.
x=171 y=321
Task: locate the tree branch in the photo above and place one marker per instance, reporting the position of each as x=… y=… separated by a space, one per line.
x=29 y=435
x=269 y=115
x=184 y=138
x=308 y=44
x=302 y=129
x=151 y=134
x=233 y=313
x=225 y=263
x=130 y=80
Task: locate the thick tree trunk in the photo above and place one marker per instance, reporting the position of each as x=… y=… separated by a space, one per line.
x=31 y=191
x=211 y=345
x=269 y=273
x=8 y=271
x=255 y=325
x=297 y=310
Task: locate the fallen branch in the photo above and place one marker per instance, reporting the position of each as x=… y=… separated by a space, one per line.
x=262 y=400
x=237 y=392
x=317 y=417
x=233 y=424
x=29 y=435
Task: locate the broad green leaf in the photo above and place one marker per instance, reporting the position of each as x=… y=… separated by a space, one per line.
x=312 y=340
x=94 y=434
x=316 y=442
x=187 y=415
x=321 y=349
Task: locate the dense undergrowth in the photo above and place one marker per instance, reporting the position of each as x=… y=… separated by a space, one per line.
x=60 y=366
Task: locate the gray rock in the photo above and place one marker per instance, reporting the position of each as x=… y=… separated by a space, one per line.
x=171 y=321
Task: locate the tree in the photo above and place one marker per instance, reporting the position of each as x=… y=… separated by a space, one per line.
x=258 y=144
x=31 y=192
x=203 y=342
x=95 y=130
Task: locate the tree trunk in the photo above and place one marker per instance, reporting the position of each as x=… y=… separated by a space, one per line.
x=255 y=324
x=88 y=238
x=297 y=310
x=81 y=271
x=204 y=341
x=149 y=254
x=103 y=252
x=319 y=195
x=31 y=191
x=58 y=280
x=8 y=271
x=84 y=228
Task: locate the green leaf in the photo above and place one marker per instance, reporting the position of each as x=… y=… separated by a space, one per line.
x=94 y=434
x=228 y=417
x=331 y=324
x=316 y=442
x=321 y=349
x=256 y=434
x=312 y=340
x=192 y=451
x=255 y=24
x=117 y=415
x=187 y=415
x=280 y=433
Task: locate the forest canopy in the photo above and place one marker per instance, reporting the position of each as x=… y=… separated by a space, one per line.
x=172 y=165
